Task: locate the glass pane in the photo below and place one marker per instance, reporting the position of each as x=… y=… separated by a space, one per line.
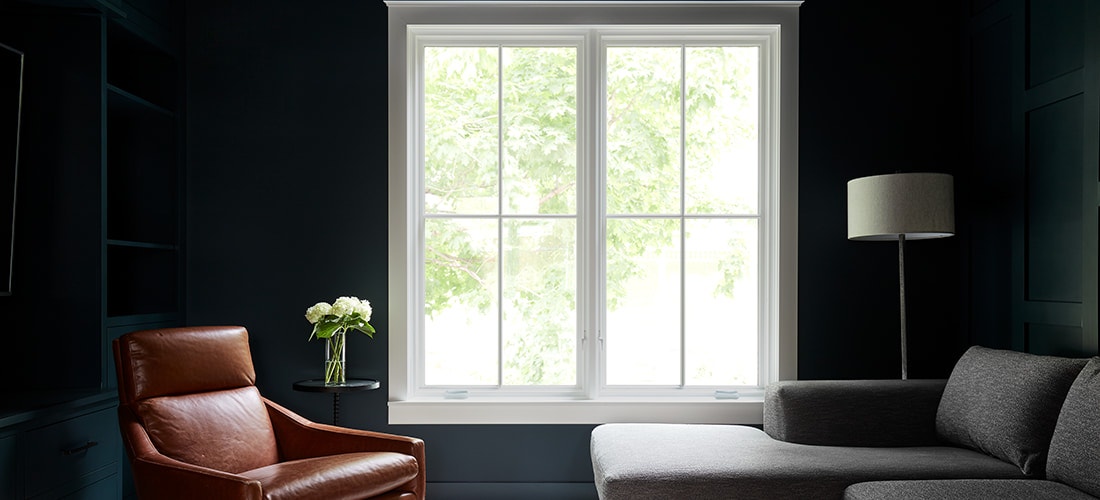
x=539 y=302
x=539 y=130
x=721 y=130
x=721 y=301
x=460 y=130
x=643 y=130
x=643 y=302
x=460 y=302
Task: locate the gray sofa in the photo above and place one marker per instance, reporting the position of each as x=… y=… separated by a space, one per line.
x=997 y=428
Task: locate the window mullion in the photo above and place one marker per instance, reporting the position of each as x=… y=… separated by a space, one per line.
x=683 y=217
x=500 y=216
x=591 y=239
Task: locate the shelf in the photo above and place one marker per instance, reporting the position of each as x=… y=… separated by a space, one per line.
x=36 y=406
x=141 y=244
x=135 y=101
x=141 y=319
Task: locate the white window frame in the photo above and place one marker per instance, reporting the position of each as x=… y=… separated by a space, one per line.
x=406 y=18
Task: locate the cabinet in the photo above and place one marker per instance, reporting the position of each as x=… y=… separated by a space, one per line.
x=60 y=445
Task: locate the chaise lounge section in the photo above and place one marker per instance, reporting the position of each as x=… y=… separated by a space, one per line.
x=987 y=427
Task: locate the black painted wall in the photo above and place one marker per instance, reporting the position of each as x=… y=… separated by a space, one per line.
x=287 y=202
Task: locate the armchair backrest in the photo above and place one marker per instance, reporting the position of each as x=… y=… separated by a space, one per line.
x=192 y=389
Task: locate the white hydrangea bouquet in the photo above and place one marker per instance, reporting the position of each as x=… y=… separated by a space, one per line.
x=331 y=322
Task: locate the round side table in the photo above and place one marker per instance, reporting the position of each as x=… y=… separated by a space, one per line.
x=351 y=385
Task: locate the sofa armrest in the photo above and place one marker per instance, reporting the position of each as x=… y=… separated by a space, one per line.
x=854 y=412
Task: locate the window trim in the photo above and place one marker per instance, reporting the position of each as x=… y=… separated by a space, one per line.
x=782 y=348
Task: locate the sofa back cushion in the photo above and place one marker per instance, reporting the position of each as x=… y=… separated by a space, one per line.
x=1006 y=404
x=1075 y=448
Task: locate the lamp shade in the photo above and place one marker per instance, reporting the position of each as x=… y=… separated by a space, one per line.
x=918 y=205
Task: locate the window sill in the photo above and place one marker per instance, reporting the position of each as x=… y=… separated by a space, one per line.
x=746 y=410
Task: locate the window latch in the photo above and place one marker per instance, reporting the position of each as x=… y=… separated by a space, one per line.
x=720 y=394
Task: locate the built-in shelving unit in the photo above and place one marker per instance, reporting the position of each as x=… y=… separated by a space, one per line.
x=143 y=184
x=142 y=194
x=142 y=191
x=99 y=243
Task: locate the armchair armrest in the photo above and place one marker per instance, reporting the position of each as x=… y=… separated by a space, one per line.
x=299 y=438
x=854 y=412
x=162 y=477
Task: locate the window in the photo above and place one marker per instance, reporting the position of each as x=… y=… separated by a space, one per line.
x=587 y=218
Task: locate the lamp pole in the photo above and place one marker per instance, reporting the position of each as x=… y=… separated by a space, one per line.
x=901 y=298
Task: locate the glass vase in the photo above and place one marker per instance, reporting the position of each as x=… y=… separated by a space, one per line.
x=335 y=365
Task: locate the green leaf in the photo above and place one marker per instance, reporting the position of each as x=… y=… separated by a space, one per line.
x=365 y=328
x=324 y=329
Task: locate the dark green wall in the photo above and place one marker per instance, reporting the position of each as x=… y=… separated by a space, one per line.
x=287 y=205
x=1035 y=81
x=881 y=91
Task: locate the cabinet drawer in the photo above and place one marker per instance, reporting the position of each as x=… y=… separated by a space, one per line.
x=104 y=488
x=67 y=450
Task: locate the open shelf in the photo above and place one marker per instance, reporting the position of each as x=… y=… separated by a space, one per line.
x=140 y=68
x=142 y=175
x=141 y=281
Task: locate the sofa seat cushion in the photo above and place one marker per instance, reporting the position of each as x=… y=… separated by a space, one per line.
x=1006 y=403
x=964 y=489
x=335 y=477
x=677 y=461
x=1075 y=447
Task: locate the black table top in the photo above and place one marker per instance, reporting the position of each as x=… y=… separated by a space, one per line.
x=351 y=385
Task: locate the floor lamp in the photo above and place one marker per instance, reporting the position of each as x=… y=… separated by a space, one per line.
x=910 y=206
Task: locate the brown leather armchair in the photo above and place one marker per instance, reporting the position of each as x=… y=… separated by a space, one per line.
x=195 y=426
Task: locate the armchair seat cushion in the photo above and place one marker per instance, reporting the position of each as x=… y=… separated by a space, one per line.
x=335 y=477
